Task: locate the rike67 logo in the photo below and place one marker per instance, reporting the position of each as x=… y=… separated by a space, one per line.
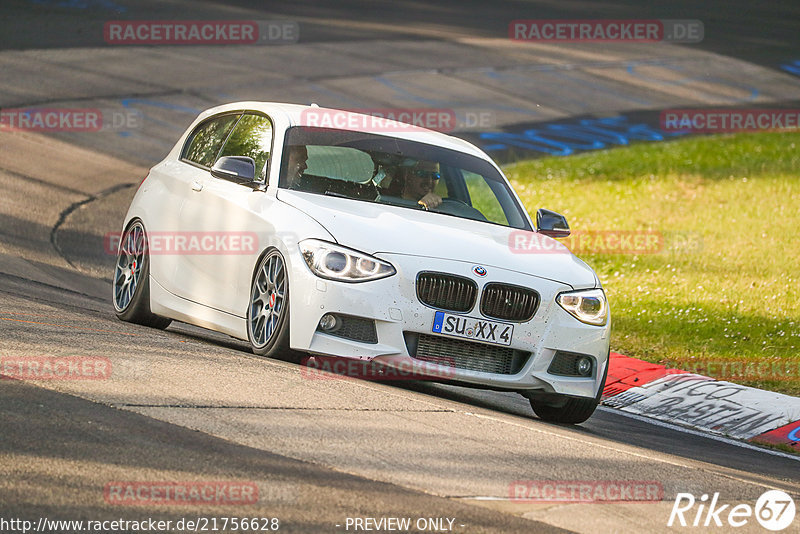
x=774 y=510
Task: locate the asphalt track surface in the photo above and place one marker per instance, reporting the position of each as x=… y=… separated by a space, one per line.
x=189 y=405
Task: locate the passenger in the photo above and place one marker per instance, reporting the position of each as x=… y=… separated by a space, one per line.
x=297 y=165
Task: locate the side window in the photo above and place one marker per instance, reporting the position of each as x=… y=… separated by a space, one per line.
x=251 y=137
x=483 y=198
x=204 y=143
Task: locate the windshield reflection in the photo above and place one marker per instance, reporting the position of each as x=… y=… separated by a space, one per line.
x=397 y=172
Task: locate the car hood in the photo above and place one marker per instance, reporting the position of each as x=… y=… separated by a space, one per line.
x=378 y=228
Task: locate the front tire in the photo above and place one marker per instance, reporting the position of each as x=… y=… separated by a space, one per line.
x=567 y=410
x=268 y=311
x=132 y=280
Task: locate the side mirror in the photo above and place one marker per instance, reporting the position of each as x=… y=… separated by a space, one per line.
x=240 y=169
x=551 y=224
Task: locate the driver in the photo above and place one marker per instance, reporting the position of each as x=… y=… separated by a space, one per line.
x=419 y=182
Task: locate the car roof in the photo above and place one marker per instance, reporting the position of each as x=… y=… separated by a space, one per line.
x=301 y=115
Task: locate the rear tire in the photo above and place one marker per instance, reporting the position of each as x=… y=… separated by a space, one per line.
x=567 y=410
x=268 y=310
x=131 y=291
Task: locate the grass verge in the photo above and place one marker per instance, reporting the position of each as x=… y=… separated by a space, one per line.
x=718 y=295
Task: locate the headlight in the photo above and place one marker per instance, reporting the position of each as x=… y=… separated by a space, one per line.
x=588 y=305
x=335 y=262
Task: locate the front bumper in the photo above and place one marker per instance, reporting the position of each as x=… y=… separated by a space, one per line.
x=400 y=319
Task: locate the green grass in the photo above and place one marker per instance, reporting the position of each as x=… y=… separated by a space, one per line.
x=723 y=291
x=777 y=446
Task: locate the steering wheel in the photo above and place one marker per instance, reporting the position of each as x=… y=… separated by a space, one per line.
x=456 y=200
x=456 y=206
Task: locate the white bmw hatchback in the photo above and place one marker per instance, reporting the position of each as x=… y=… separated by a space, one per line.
x=306 y=230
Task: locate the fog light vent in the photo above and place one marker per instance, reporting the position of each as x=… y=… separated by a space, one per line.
x=572 y=364
x=348 y=327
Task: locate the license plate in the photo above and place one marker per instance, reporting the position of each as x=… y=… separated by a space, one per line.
x=472 y=328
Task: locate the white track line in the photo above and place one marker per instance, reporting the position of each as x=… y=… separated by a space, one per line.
x=678 y=428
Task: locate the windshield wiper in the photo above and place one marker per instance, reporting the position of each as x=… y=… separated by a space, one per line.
x=340 y=195
x=337 y=195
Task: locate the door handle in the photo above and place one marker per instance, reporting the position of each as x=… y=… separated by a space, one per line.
x=197 y=185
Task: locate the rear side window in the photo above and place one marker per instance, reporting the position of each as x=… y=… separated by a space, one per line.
x=206 y=140
x=251 y=137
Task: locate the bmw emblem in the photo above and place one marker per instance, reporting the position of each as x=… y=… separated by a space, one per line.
x=480 y=271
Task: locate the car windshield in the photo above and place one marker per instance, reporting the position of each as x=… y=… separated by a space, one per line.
x=397 y=172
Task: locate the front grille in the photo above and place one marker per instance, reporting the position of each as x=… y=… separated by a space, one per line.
x=465 y=354
x=509 y=303
x=566 y=364
x=446 y=291
x=354 y=328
